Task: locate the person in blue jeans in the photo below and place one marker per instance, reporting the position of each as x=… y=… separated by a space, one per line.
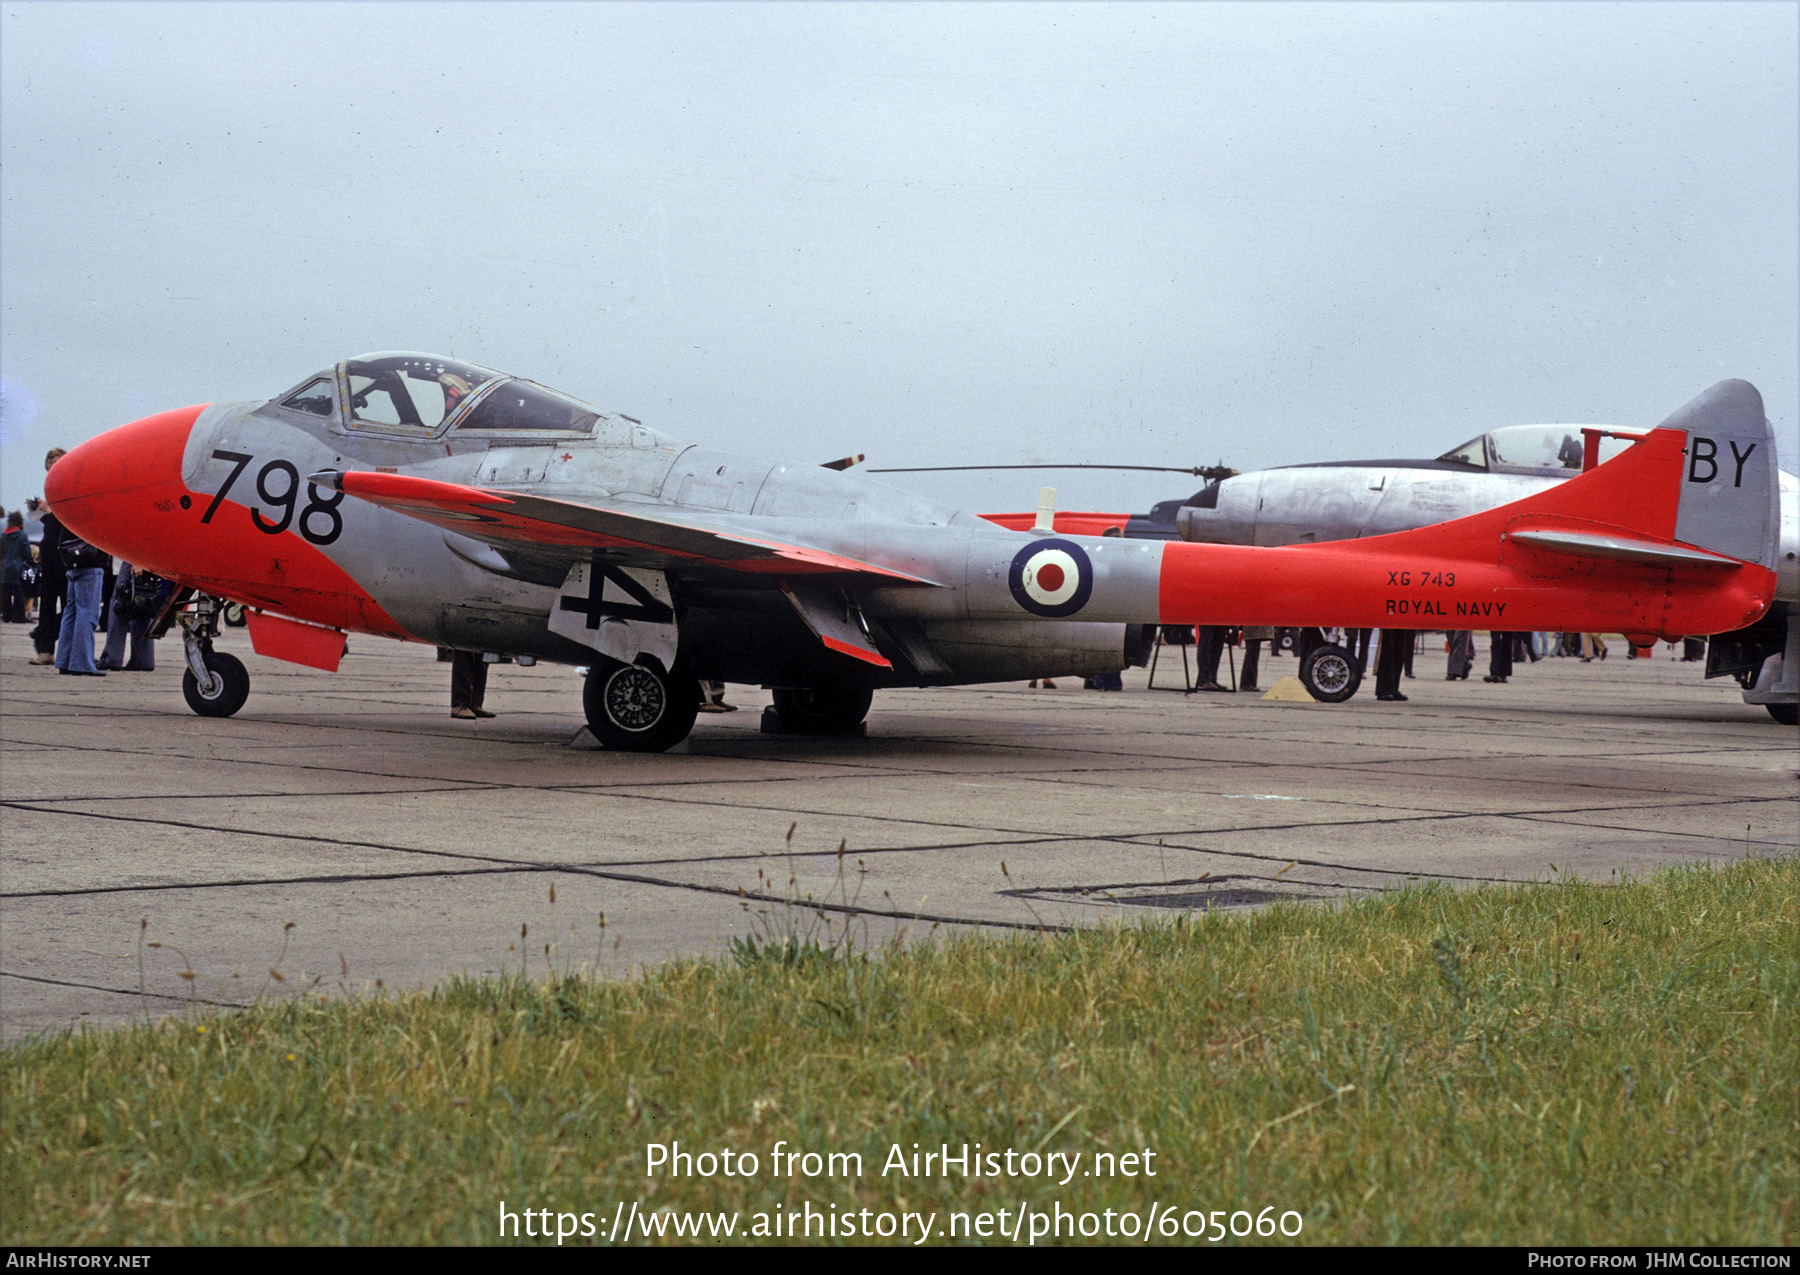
x=81 y=615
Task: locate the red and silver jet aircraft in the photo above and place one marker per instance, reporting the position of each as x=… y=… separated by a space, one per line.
x=424 y=499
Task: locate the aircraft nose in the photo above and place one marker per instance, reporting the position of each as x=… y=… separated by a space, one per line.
x=107 y=489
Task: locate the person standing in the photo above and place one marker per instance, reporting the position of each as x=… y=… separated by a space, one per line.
x=52 y=578
x=30 y=585
x=81 y=607
x=15 y=552
x=1209 y=648
x=133 y=609
x=1254 y=637
x=107 y=580
x=712 y=698
x=1461 y=643
x=1500 y=657
x=468 y=685
x=1396 y=650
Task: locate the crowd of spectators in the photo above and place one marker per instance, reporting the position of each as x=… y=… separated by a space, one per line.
x=71 y=590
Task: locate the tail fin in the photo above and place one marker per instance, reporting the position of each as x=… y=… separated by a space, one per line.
x=1730 y=496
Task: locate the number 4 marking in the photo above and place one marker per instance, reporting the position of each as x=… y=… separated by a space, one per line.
x=242 y=460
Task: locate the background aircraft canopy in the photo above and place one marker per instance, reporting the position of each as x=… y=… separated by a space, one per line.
x=1553 y=450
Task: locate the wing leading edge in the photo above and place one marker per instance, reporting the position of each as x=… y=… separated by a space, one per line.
x=505 y=517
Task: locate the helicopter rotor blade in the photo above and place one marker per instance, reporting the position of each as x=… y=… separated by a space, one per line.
x=1210 y=472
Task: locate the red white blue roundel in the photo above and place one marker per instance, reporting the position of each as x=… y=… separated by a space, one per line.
x=1051 y=578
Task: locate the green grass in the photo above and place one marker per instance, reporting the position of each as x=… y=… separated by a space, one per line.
x=1556 y=1064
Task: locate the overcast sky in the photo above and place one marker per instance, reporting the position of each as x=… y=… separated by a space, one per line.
x=936 y=233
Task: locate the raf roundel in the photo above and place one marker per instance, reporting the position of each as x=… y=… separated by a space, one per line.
x=1052 y=578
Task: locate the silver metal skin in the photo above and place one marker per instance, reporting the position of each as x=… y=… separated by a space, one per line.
x=1307 y=505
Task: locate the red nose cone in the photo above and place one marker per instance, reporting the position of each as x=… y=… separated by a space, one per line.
x=102 y=491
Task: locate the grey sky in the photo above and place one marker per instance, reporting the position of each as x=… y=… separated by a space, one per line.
x=937 y=233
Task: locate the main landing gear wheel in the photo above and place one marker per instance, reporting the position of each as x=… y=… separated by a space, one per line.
x=635 y=709
x=1329 y=673
x=822 y=710
x=229 y=689
x=1786 y=714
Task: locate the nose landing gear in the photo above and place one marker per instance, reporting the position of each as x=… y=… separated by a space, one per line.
x=215 y=684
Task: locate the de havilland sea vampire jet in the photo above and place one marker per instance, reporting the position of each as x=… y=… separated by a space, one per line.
x=425 y=499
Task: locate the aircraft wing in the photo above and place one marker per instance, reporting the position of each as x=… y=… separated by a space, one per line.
x=514 y=518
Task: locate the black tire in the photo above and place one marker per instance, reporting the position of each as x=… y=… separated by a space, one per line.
x=635 y=709
x=1329 y=673
x=822 y=710
x=234 y=686
x=233 y=615
x=1786 y=714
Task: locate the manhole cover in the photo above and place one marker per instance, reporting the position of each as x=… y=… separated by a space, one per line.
x=1199 y=900
x=1185 y=896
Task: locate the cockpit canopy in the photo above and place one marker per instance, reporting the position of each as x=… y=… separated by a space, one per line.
x=406 y=393
x=1534 y=449
x=413 y=390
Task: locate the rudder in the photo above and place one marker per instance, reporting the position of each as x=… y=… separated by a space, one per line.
x=1729 y=501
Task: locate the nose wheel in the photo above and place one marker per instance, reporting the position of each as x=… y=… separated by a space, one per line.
x=638 y=709
x=225 y=690
x=215 y=684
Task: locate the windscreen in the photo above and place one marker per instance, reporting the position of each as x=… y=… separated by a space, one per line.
x=318 y=397
x=1473 y=452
